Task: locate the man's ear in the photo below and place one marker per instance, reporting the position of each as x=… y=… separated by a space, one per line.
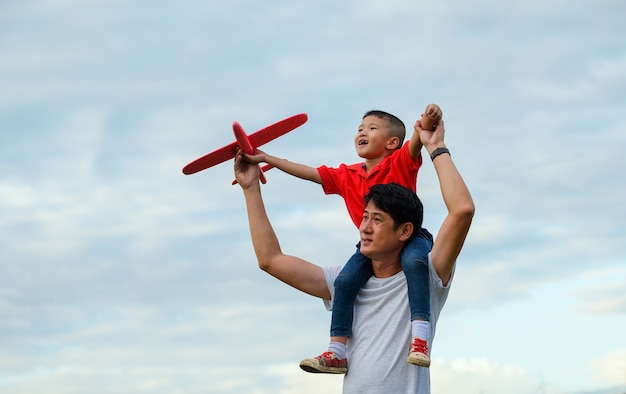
x=393 y=143
x=406 y=230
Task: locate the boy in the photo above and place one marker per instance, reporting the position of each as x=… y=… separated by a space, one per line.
x=379 y=141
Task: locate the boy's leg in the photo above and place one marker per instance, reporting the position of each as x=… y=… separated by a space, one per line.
x=415 y=266
x=351 y=278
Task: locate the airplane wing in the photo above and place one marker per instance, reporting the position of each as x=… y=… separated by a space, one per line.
x=209 y=160
x=277 y=129
x=257 y=139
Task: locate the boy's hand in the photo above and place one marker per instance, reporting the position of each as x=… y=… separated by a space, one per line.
x=257 y=157
x=432 y=114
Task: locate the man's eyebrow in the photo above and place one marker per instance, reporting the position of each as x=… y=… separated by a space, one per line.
x=374 y=213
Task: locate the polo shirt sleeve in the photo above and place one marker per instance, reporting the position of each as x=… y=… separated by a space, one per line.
x=403 y=168
x=403 y=158
x=330 y=177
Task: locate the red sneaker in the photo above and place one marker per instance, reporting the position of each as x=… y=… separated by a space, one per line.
x=418 y=355
x=326 y=362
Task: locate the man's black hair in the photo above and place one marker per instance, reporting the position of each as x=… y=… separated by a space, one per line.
x=400 y=203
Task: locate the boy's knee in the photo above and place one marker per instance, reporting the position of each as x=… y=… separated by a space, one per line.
x=344 y=281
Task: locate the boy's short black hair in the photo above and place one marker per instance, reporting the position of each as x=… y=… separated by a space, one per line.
x=396 y=126
x=399 y=202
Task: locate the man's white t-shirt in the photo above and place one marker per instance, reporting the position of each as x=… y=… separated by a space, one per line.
x=381 y=337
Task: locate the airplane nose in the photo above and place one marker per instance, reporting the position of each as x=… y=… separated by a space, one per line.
x=242 y=139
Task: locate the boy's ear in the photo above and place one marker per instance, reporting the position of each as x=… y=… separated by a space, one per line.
x=393 y=143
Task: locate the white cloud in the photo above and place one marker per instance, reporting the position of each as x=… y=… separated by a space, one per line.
x=602 y=291
x=479 y=375
x=611 y=368
x=296 y=381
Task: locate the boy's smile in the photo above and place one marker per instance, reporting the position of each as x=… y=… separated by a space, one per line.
x=372 y=138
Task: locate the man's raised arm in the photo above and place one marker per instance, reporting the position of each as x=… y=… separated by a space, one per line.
x=292 y=270
x=457 y=198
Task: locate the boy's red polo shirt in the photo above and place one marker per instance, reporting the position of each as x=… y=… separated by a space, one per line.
x=353 y=183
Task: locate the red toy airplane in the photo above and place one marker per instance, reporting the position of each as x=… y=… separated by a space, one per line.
x=247 y=143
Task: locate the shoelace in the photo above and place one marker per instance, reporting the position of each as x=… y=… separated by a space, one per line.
x=327 y=356
x=329 y=359
x=419 y=346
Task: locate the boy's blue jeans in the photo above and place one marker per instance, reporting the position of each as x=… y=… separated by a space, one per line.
x=359 y=269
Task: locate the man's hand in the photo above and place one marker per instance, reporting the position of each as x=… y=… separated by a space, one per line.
x=431 y=139
x=247 y=174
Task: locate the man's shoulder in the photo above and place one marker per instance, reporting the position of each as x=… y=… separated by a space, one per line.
x=331 y=273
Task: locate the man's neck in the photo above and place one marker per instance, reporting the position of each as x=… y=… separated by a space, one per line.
x=387 y=268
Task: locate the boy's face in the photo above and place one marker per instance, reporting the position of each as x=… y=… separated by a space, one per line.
x=372 y=139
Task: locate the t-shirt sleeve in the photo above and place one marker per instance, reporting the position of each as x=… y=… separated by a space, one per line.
x=331 y=273
x=436 y=283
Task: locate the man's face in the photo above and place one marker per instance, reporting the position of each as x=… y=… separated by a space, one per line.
x=378 y=237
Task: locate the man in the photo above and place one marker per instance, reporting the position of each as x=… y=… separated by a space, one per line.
x=377 y=348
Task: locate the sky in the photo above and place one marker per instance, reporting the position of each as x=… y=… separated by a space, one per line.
x=119 y=274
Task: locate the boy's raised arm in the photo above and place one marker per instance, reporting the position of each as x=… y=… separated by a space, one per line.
x=415 y=144
x=432 y=114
